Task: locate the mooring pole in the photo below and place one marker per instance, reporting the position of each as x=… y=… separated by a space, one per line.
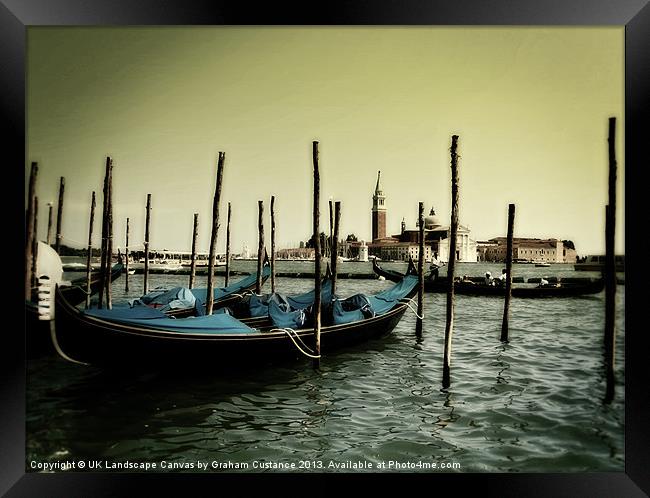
x=59 y=216
x=126 y=257
x=610 y=267
x=145 y=290
x=109 y=241
x=29 y=218
x=328 y=246
x=449 y=328
x=34 y=243
x=506 y=304
x=49 y=224
x=317 y=256
x=195 y=234
x=272 y=244
x=418 y=323
x=260 y=245
x=209 y=300
x=335 y=245
x=90 y=249
x=104 y=241
x=228 y=248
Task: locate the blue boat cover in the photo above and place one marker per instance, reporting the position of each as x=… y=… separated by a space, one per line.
x=145 y=317
x=384 y=301
x=361 y=306
x=281 y=317
x=221 y=292
x=259 y=305
x=352 y=309
x=166 y=299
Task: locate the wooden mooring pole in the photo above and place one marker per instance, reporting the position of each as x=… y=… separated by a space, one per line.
x=228 y=247
x=145 y=289
x=195 y=234
x=335 y=244
x=260 y=245
x=317 y=257
x=506 y=304
x=209 y=300
x=109 y=241
x=328 y=246
x=610 y=268
x=90 y=248
x=103 y=246
x=272 y=243
x=59 y=216
x=126 y=258
x=418 y=323
x=29 y=219
x=449 y=327
x=49 y=224
x=34 y=243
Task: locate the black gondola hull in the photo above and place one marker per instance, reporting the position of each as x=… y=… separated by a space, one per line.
x=88 y=339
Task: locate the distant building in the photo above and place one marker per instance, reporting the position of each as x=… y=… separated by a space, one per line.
x=405 y=245
x=378 y=212
x=526 y=250
x=296 y=253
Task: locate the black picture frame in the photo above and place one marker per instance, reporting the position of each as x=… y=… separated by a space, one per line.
x=17 y=15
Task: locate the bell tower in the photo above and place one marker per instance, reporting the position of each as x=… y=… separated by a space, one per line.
x=378 y=211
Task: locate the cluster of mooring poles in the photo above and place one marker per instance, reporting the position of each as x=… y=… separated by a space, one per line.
x=106 y=251
x=31 y=233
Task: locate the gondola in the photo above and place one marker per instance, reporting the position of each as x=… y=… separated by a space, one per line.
x=37 y=335
x=143 y=335
x=473 y=288
x=392 y=275
x=549 y=290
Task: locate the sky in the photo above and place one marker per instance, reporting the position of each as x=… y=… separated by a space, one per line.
x=530 y=106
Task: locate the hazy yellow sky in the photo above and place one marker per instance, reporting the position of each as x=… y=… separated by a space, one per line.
x=530 y=106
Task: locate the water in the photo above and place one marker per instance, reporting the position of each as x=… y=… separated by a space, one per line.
x=533 y=405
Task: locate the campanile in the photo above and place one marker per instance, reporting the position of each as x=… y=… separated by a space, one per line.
x=378 y=212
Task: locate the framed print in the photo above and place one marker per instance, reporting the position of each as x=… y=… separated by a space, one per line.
x=206 y=135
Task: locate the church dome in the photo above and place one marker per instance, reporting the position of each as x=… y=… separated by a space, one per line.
x=431 y=221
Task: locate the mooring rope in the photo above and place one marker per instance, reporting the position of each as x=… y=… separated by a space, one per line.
x=288 y=331
x=407 y=303
x=58 y=349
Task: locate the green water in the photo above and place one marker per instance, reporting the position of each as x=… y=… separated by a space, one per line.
x=533 y=405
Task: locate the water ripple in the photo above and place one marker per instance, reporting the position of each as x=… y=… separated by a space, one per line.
x=531 y=405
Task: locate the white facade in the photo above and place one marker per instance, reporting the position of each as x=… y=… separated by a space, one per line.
x=363 y=252
x=465 y=247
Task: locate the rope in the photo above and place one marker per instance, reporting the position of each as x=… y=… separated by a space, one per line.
x=299 y=338
x=58 y=349
x=407 y=303
x=288 y=332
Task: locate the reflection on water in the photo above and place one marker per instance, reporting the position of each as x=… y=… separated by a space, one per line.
x=531 y=405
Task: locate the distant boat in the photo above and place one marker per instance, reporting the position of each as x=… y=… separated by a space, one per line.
x=156 y=265
x=470 y=288
x=597 y=263
x=542 y=265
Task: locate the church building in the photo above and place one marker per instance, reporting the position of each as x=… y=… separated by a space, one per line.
x=405 y=245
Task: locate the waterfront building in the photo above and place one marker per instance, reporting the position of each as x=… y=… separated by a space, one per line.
x=405 y=245
x=527 y=250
